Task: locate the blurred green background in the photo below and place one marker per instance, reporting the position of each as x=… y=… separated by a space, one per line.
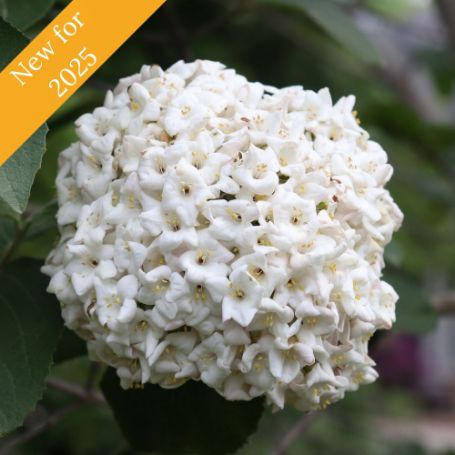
x=397 y=57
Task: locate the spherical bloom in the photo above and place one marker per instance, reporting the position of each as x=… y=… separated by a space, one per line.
x=220 y=230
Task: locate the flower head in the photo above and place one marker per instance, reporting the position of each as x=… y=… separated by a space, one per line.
x=220 y=230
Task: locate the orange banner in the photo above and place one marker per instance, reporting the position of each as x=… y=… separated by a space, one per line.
x=60 y=59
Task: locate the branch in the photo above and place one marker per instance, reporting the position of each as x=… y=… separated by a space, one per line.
x=447 y=13
x=22 y=228
x=410 y=81
x=412 y=86
x=83 y=394
x=91 y=377
x=300 y=426
x=21 y=232
x=444 y=303
x=37 y=428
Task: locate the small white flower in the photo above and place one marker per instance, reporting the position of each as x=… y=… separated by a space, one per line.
x=116 y=304
x=244 y=298
x=91 y=127
x=184 y=113
x=209 y=357
x=229 y=219
x=209 y=259
x=257 y=172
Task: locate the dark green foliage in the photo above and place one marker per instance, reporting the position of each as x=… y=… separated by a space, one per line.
x=18 y=173
x=190 y=419
x=24 y=13
x=30 y=325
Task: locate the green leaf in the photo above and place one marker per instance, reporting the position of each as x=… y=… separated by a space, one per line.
x=41 y=233
x=24 y=13
x=337 y=24
x=7 y=211
x=11 y=43
x=43 y=221
x=189 y=419
x=30 y=326
x=18 y=173
x=414 y=311
x=7 y=231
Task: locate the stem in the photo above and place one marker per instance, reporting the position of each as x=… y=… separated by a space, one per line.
x=83 y=394
x=91 y=377
x=447 y=13
x=22 y=228
x=300 y=426
x=36 y=429
x=444 y=303
x=21 y=232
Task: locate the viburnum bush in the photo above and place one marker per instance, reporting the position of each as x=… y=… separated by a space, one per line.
x=225 y=231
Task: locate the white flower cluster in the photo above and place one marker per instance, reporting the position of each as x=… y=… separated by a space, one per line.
x=221 y=230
